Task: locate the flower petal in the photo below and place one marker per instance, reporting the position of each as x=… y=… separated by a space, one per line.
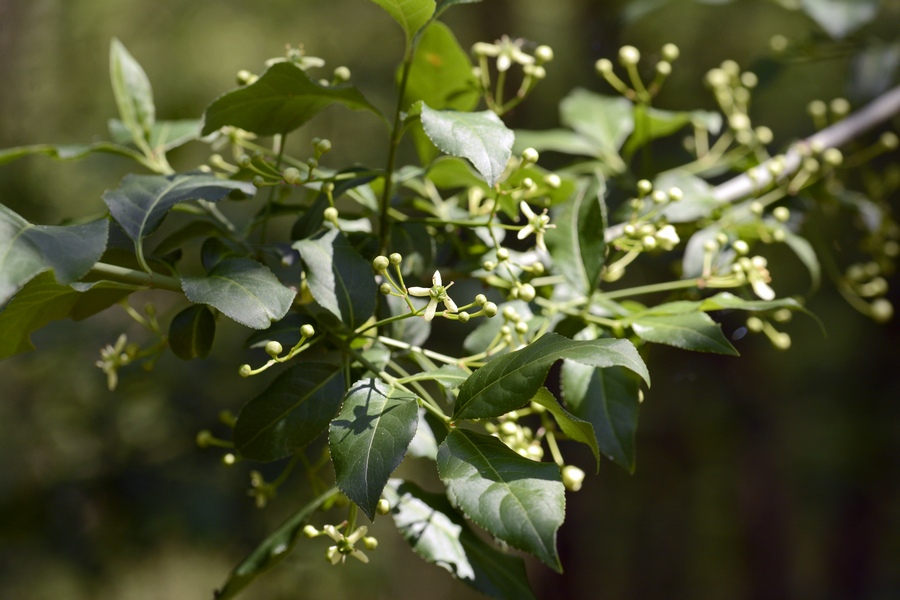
x=450 y=304
x=430 y=309
x=419 y=291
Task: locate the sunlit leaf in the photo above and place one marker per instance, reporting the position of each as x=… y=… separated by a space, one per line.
x=517 y=500
x=134 y=96
x=441 y=72
x=411 y=15
x=690 y=331
x=577 y=243
x=369 y=438
x=281 y=100
x=141 y=202
x=244 y=290
x=508 y=382
x=606 y=120
x=480 y=137
x=440 y=535
x=26 y=250
x=839 y=18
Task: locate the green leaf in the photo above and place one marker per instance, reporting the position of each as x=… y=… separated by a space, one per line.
x=339 y=279
x=608 y=399
x=192 y=331
x=369 y=439
x=807 y=255
x=508 y=382
x=575 y=429
x=42 y=300
x=26 y=250
x=577 y=243
x=480 y=137
x=141 y=202
x=556 y=140
x=517 y=500
x=244 y=290
x=691 y=331
x=698 y=200
x=449 y=376
x=67 y=151
x=441 y=72
x=134 y=97
x=292 y=412
x=443 y=5
x=164 y=135
x=606 y=120
x=839 y=18
x=652 y=123
x=272 y=550
x=281 y=100
x=440 y=535
x=410 y=14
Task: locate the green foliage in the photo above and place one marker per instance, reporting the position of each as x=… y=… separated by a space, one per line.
x=361 y=279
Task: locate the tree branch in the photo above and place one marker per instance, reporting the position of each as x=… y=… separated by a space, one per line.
x=744 y=185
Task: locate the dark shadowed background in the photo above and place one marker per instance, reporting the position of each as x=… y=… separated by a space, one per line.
x=773 y=475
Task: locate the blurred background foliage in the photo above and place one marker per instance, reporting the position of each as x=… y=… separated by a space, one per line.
x=773 y=475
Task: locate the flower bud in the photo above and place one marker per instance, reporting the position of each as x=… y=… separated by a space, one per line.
x=833 y=157
x=323 y=146
x=480 y=299
x=307 y=331
x=274 y=348
x=502 y=253
x=490 y=309
x=463 y=317
x=543 y=54
x=383 y=507
x=882 y=310
x=396 y=258
x=530 y=156
x=670 y=52
x=664 y=68
x=385 y=288
x=572 y=477
x=648 y=242
x=341 y=74
x=527 y=292
x=782 y=214
x=369 y=542
x=292 y=176
x=331 y=214
x=675 y=194
x=659 y=197
x=629 y=55
x=741 y=247
x=552 y=181
x=380 y=263
x=644 y=187
x=840 y=107
x=245 y=371
x=310 y=531
x=603 y=66
x=204 y=438
x=749 y=80
x=489 y=265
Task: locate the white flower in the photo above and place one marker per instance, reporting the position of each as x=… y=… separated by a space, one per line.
x=538 y=224
x=437 y=293
x=506 y=50
x=759 y=278
x=667 y=237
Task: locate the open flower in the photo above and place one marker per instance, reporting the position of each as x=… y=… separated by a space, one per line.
x=507 y=51
x=436 y=293
x=538 y=224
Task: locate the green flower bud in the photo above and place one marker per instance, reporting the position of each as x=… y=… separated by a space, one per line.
x=307 y=331
x=889 y=140
x=489 y=265
x=323 y=146
x=480 y=299
x=310 y=531
x=383 y=507
x=385 y=288
x=840 y=107
x=341 y=74
x=331 y=214
x=749 y=80
x=463 y=317
x=530 y=156
x=764 y=135
x=882 y=310
x=664 y=68
x=629 y=55
x=781 y=214
x=292 y=176
x=258 y=181
x=229 y=459
x=274 y=348
x=370 y=543
x=670 y=52
x=648 y=242
x=502 y=253
x=490 y=309
x=396 y=258
x=380 y=263
x=552 y=181
x=659 y=196
x=527 y=292
x=833 y=157
x=778 y=43
x=245 y=371
x=644 y=187
x=603 y=66
x=741 y=247
x=572 y=477
x=754 y=324
x=543 y=54
x=244 y=160
x=245 y=77
x=521 y=327
x=204 y=438
x=816 y=108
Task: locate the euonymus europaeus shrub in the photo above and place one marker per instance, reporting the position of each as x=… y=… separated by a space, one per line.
x=514 y=266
